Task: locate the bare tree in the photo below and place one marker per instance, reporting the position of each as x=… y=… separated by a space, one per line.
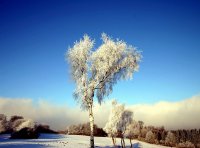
x=96 y=71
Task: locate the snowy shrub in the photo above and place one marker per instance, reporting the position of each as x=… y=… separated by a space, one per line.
x=72 y=129
x=22 y=128
x=26 y=124
x=150 y=137
x=81 y=129
x=16 y=123
x=132 y=130
x=170 y=139
x=186 y=144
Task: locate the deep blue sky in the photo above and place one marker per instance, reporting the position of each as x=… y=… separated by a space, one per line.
x=35 y=34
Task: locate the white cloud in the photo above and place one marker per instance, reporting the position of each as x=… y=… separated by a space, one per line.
x=173 y=115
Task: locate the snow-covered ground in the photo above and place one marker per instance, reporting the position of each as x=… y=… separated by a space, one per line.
x=69 y=141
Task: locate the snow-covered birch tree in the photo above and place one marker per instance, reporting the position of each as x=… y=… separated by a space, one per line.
x=132 y=131
x=112 y=126
x=96 y=71
x=118 y=121
x=125 y=120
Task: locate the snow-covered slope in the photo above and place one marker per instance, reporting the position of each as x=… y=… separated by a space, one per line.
x=68 y=141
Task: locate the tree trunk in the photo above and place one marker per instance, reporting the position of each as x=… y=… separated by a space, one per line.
x=123 y=143
x=131 y=143
x=113 y=140
x=91 y=117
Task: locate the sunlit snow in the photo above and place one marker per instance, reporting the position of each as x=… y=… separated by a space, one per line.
x=69 y=141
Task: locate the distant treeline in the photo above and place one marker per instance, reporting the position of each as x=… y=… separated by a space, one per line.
x=158 y=135
x=155 y=135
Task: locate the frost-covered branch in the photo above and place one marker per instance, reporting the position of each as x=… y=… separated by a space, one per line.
x=96 y=71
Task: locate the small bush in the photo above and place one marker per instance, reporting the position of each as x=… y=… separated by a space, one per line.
x=186 y=144
x=26 y=123
x=150 y=137
x=170 y=139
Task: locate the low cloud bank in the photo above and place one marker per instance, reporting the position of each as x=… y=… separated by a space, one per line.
x=57 y=116
x=172 y=115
